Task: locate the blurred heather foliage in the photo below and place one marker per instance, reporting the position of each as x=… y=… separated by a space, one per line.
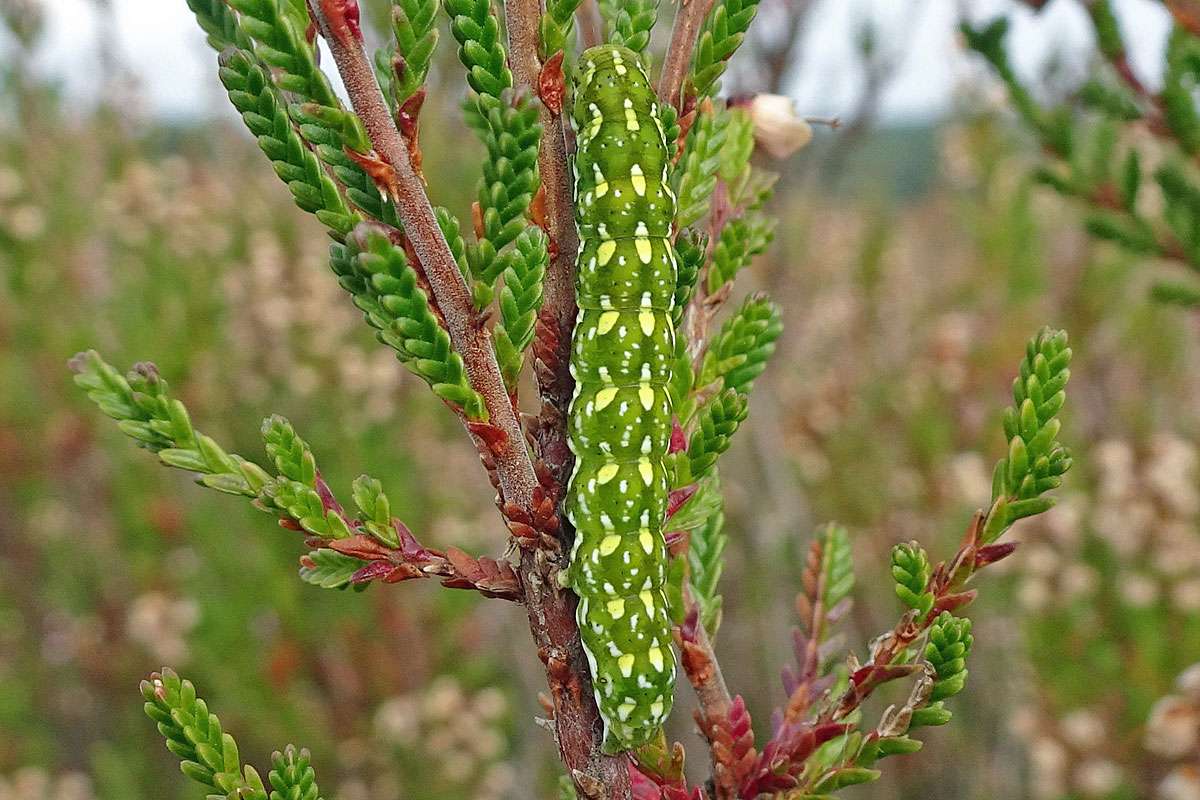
x=1120 y=143
x=902 y=320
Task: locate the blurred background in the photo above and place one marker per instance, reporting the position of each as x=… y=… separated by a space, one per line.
x=913 y=259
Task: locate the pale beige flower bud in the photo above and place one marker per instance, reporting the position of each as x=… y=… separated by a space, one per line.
x=777 y=128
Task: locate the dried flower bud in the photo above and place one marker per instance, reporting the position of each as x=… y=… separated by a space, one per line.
x=777 y=127
x=1171 y=730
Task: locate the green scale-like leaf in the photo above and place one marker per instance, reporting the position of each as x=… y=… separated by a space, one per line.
x=620 y=419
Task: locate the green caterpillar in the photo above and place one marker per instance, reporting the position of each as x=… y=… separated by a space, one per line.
x=620 y=416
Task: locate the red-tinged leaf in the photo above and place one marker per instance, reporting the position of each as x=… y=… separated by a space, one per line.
x=678 y=439
x=537 y=209
x=551 y=86
x=679 y=497
x=477 y=219
x=642 y=787
x=525 y=535
x=410 y=111
x=491 y=577
x=732 y=741
x=409 y=546
x=677 y=543
x=872 y=675
x=403 y=572
x=362 y=547
x=328 y=501
x=343 y=16
x=952 y=602
x=406 y=120
x=990 y=554
x=381 y=173
x=492 y=436
x=691 y=624
x=287 y=523
x=376 y=570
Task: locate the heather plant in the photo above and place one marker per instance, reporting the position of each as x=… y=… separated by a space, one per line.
x=1111 y=580
x=1120 y=146
x=470 y=315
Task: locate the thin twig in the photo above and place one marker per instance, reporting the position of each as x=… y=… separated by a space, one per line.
x=557 y=317
x=700 y=662
x=467 y=333
x=703 y=671
x=688 y=19
x=591 y=24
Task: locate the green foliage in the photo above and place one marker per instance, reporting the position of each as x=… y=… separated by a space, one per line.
x=740 y=241
x=508 y=126
x=219 y=23
x=520 y=301
x=837 y=564
x=388 y=292
x=281 y=43
x=690 y=250
x=949 y=644
x=1036 y=460
x=706 y=563
x=695 y=177
x=376 y=510
x=911 y=571
x=511 y=134
x=988 y=41
x=414 y=27
x=557 y=25
x=329 y=569
x=740 y=350
x=296 y=493
x=252 y=94
x=631 y=22
x=946 y=652
x=477 y=29
x=331 y=130
x=1093 y=146
x=1178 y=100
x=746 y=188
x=723 y=33
x=716 y=424
x=1180 y=294
x=209 y=755
x=146 y=412
x=291 y=455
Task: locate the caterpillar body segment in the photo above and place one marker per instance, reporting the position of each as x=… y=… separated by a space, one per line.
x=620 y=416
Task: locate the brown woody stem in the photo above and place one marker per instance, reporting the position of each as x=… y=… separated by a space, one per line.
x=551 y=609
x=703 y=671
x=591 y=24
x=688 y=19
x=467 y=333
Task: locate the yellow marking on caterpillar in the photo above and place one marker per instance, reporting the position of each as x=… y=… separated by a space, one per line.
x=604 y=397
x=625 y=663
x=638 y=179
x=607 y=473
